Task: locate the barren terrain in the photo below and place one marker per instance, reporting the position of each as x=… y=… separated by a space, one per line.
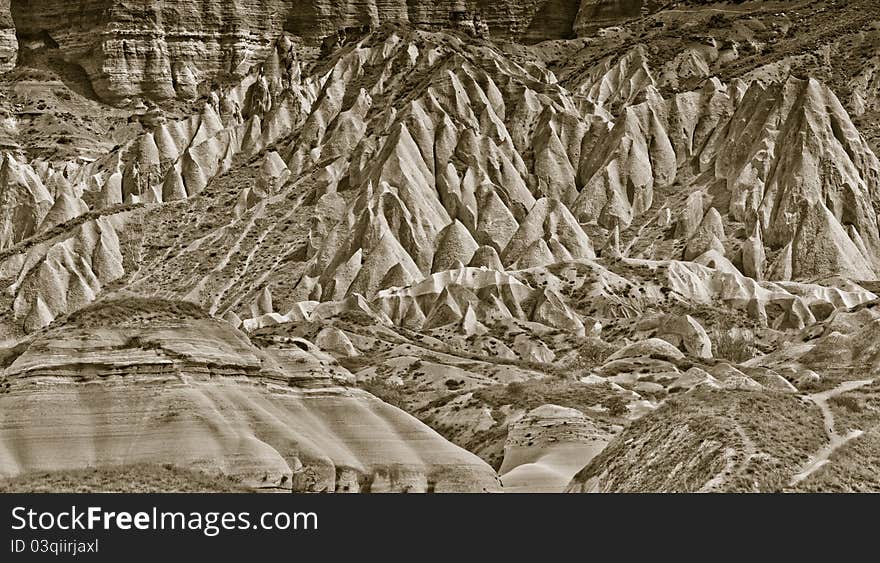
x=480 y=246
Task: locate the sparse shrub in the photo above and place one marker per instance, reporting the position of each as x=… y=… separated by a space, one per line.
x=718 y=20
x=516 y=388
x=616 y=405
x=391 y=394
x=593 y=352
x=845 y=401
x=530 y=394
x=135 y=478
x=734 y=344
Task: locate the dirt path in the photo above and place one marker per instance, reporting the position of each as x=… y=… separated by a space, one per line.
x=700 y=10
x=731 y=465
x=772 y=7
x=835 y=440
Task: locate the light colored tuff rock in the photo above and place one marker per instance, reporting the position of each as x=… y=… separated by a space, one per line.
x=709 y=236
x=771 y=380
x=687 y=334
x=527 y=175
x=650 y=347
x=336 y=342
x=694 y=378
x=733 y=379
x=753 y=255
x=547 y=446
x=159 y=382
x=8 y=39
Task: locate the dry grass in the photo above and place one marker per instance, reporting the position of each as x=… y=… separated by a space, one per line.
x=142 y=478
x=532 y=394
x=855 y=467
x=133 y=309
x=395 y=395
x=734 y=344
x=684 y=444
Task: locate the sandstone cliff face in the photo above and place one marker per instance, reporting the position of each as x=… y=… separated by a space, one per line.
x=8 y=40
x=164 y=50
x=527 y=21
x=594 y=14
x=158 y=50
x=530 y=20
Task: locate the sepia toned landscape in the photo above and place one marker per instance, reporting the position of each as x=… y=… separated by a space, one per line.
x=449 y=246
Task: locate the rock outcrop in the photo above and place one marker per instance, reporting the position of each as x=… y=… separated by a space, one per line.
x=158 y=50
x=547 y=446
x=671 y=217
x=164 y=50
x=140 y=381
x=475 y=160
x=8 y=39
x=594 y=14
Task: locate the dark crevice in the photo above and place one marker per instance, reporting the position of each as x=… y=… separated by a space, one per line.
x=39 y=50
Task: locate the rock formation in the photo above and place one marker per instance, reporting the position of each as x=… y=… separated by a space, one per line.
x=8 y=40
x=546 y=447
x=165 y=384
x=287 y=216
x=597 y=13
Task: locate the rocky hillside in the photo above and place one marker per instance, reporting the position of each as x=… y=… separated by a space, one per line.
x=571 y=238
x=163 y=50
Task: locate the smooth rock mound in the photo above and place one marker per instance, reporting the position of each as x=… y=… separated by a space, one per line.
x=547 y=446
x=170 y=385
x=649 y=347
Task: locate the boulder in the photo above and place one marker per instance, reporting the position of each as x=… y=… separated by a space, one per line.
x=686 y=334
x=652 y=347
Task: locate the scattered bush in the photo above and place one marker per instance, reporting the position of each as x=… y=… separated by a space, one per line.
x=616 y=405
x=531 y=394
x=847 y=402
x=391 y=394
x=136 y=478
x=734 y=344
x=516 y=388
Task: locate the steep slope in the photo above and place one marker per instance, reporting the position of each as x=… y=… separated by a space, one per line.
x=709 y=441
x=8 y=41
x=165 y=50
x=408 y=193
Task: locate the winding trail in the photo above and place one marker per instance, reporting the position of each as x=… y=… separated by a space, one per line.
x=731 y=465
x=835 y=440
